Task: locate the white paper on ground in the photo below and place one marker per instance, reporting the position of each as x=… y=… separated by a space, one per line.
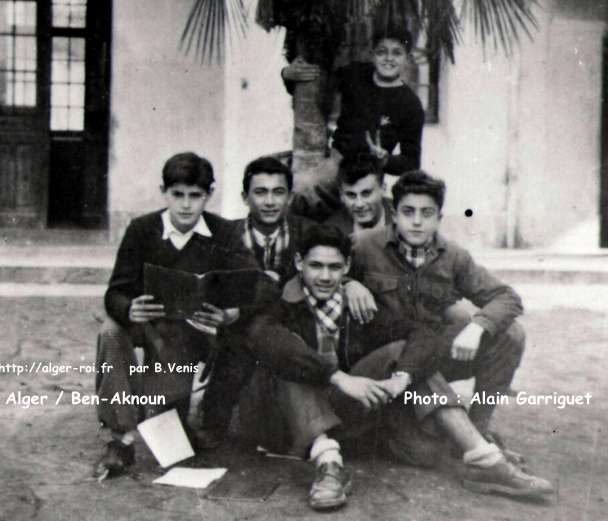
x=186 y=477
x=166 y=438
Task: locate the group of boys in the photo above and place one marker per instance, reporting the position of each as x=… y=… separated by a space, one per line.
x=364 y=307
x=331 y=359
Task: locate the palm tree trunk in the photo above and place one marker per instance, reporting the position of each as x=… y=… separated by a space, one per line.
x=310 y=124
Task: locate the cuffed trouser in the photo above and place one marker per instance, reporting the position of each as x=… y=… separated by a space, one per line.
x=295 y=414
x=493 y=367
x=184 y=346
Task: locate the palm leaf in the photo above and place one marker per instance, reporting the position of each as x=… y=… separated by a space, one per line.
x=500 y=20
x=209 y=25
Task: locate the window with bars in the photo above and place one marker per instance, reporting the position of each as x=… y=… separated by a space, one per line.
x=70 y=13
x=67 y=83
x=68 y=65
x=18 y=53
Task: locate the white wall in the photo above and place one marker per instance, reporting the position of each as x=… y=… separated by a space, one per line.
x=533 y=120
x=467 y=148
x=560 y=132
x=258 y=118
x=517 y=141
x=162 y=102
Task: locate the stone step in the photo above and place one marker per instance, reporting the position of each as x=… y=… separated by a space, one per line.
x=92 y=265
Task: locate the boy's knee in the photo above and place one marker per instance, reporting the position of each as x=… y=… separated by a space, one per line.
x=516 y=338
x=457 y=314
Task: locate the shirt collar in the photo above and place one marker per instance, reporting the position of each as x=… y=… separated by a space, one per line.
x=169 y=229
x=260 y=237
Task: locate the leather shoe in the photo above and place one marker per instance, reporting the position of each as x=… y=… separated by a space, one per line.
x=117 y=458
x=505 y=478
x=331 y=485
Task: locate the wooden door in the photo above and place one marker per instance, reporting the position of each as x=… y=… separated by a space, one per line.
x=54 y=112
x=24 y=110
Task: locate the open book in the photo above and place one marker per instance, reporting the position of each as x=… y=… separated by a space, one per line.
x=182 y=293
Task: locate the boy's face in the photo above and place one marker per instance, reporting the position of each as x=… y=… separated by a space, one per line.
x=268 y=198
x=363 y=200
x=417 y=218
x=186 y=204
x=322 y=270
x=389 y=58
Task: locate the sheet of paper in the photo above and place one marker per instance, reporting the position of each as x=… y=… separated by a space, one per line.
x=166 y=438
x=193 y=478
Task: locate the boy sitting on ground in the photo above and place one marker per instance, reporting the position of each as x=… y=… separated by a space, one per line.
x=183 y=237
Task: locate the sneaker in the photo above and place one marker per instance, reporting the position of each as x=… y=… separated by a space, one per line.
x=505 y=478
x=331 y=485
x=115 y=461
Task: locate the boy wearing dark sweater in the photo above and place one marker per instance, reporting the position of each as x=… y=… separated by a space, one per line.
x=379 y=114
x=183 y=237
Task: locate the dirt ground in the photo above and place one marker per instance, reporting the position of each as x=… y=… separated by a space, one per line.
x=47 y=451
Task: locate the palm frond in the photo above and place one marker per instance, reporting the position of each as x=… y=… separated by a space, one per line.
x=500 y=20
x=442 y=25
x=210 y=24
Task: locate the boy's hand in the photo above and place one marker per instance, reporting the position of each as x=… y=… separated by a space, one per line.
x=466 y=343
x=141 y=310
x=368 y=392
x=396 y=385
x=376 y=149
x=361 y=302
x=300 y=70
x=214 y=316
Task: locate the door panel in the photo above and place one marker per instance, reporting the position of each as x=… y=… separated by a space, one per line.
x=23 y=113
x=54 y=112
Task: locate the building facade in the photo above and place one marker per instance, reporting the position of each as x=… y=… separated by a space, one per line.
x=95 y=96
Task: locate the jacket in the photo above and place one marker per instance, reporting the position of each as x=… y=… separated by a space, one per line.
x=448 y=275
x=284 y=338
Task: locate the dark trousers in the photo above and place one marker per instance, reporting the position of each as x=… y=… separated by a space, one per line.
x=493 y=367
x=287 y=416
x=164 y=342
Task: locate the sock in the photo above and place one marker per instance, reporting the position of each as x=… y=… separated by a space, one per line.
x=325 y=450
x=485 y=455
x=126 y=438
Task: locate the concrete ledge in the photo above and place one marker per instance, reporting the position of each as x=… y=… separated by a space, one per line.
x=45 y=264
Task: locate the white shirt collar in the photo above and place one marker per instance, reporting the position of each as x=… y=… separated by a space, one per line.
x=179 y=239
x=260 y=238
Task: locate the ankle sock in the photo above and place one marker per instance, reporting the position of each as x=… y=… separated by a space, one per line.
x=483 y=456
x=126 y=438
x=325 y=450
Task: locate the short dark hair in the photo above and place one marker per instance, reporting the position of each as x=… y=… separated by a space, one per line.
x=325 y=235
x=418 y=182
x=266 y=165
x=393 y=31
x=190 y=169
x=356 y=167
